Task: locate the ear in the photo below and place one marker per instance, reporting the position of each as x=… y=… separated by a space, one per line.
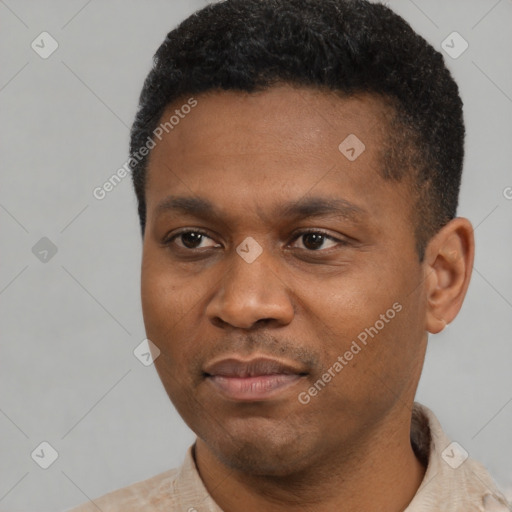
x=448 y=265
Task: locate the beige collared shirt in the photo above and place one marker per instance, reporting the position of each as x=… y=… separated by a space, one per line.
x=452 y=482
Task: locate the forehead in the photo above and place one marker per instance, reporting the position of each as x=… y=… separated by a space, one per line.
x=284 y=118
x=259 y=148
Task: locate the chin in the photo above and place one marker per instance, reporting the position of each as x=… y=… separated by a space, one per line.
x=271 y=451
x=258 y=460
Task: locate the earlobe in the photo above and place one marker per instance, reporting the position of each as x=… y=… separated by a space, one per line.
x=448 y=265
x=436 y=325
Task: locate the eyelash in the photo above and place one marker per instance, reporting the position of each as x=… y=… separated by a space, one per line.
x=168 y=241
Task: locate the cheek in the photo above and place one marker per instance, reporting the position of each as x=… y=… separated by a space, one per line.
x=171 y=307
x=158 y=298
x=353 y=303
x=163 y=311
x=373 y=319
x=163 y=302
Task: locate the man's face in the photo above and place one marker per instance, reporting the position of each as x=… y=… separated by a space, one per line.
x=246 y=282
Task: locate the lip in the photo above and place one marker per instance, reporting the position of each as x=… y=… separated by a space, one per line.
x=254 y=379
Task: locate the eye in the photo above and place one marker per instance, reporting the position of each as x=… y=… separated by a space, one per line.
x=312 y=240
x=191 y=239
x=315 y=240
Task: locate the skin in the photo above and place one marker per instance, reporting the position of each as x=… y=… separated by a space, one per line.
x=248 y=154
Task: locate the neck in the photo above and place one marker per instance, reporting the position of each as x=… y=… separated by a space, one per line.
x=382 y=464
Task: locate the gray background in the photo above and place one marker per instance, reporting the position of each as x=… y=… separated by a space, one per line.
x=68 y=375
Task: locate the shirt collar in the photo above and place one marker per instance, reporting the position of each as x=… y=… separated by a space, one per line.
x=452 y=480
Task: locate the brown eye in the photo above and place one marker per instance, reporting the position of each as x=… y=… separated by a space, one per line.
x=191 y=239
x=315 y=240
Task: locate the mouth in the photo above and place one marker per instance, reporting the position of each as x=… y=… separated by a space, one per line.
x=256 y=379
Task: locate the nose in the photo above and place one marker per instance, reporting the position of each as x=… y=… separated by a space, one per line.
x=249 y=293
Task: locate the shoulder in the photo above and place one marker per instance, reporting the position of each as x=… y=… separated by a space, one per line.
x=155 y=493
x=453 y=481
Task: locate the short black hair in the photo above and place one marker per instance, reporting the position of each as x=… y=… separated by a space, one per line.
x=347 y=46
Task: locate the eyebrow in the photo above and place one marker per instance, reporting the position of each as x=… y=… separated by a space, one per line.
x=302 y=208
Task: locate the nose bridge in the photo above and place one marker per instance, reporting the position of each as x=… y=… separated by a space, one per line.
x=250 y=290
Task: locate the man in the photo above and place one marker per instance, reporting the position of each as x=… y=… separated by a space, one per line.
x=297 y=166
